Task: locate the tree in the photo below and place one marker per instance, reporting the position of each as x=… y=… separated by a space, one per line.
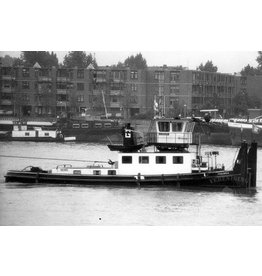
x=79 y=59
x=208 y=67
x=137 y=62
x=44 y=58
x=249 y=71
x=242 y=101
x=240 y=105
x=259 y=60
x=252 y=71
x=9 y=61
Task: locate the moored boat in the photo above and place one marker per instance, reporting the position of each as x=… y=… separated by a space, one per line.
x=90 y=129
x=167 y=162
x=23 y=132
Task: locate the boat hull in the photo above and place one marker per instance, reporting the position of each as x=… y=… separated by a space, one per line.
x=238 y=136
x=213 y=180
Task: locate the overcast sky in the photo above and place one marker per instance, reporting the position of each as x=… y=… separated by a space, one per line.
x=227 y=61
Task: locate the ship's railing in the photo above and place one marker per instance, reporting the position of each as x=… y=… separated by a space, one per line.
x=168 y=138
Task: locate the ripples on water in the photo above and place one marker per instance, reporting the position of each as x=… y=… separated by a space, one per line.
x=67 y=205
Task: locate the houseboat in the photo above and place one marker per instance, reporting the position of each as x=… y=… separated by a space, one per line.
x=23 y=132
x=89 y=129
x=165 y=160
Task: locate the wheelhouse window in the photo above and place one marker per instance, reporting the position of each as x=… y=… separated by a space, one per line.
x=177 y=127
x=85 y=125
x=160 y=160
x=178 y=159
x=143 y=159
x=164 y=126
x=126 y=159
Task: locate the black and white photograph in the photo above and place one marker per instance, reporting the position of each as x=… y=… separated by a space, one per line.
x=134 y=125
x=129 y=143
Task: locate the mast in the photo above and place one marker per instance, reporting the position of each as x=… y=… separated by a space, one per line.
x=104 y=102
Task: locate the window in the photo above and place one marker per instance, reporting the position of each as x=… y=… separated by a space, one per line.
x=61 y=85
x=96 y=172
x=111 y=172
x=98 y=125
x=143 y=159
x=174 y=76
x=25 y=72
x=46 y=134
x=177 y=127
x=25 y=85
x=80 y=86
x=164 y=126
x=134 y=87
x=178 y=159
x=133 y=74
x=174 y=89
x=80 y=98
x=160 y=160
x=114 y=99
x=85 y=125
x=77 y=172
x=27 y=134
x=159 y=75
x=80 y=73
x=127 y=159
x=76 y=126
x=107 y=125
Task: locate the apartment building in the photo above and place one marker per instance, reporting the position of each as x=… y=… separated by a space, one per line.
x=44 y=92
x=183 y=91
x=119 y=92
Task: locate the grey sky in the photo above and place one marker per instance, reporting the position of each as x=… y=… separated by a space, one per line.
x=227 y=61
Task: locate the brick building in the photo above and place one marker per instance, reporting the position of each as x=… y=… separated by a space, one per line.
x=187 y=91
x=121 y=92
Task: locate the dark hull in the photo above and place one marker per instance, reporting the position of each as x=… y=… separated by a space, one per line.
x=30 y=139
x=92 y=135
x=237 y=136
x=213 y=133
x=215 y=180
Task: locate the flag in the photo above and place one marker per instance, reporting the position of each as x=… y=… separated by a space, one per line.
x=155 y=105
x=255 y=129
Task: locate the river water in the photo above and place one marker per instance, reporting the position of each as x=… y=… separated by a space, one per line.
x=54 y=205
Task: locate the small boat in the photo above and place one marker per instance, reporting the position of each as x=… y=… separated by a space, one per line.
x=23 y=132
x=89 y=129
x=168 y=162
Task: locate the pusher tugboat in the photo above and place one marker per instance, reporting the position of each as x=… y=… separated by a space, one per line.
x=168 y=163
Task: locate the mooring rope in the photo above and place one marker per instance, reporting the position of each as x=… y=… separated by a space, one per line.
x=57 y=159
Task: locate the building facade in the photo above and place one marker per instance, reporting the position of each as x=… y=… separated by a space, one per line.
x=118 y=92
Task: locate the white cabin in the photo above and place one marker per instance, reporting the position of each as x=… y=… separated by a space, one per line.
x=170 y=131
x=22 y=131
